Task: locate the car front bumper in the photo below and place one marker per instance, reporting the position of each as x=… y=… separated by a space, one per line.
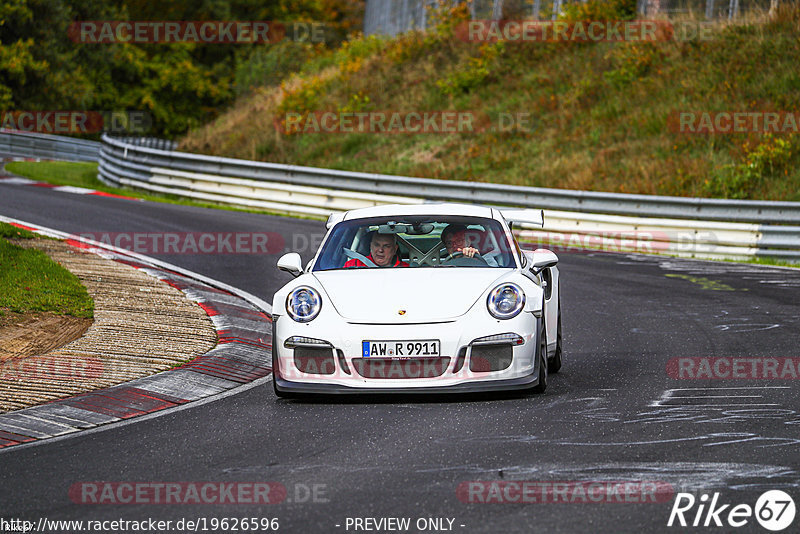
x=344 y=346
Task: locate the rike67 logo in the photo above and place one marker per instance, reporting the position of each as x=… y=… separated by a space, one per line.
x=774 y=510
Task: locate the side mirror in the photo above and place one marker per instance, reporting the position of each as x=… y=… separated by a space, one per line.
x=540 y=259
x=291 y=263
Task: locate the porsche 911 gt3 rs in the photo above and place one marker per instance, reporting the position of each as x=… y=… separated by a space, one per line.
x=418 y=298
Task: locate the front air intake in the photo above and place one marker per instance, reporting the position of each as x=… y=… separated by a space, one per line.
x=314 y=360
x=488 y=358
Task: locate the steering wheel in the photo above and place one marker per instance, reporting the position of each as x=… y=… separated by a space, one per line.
x=458 y=254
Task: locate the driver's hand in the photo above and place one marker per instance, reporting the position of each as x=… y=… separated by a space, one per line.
x=469 y=252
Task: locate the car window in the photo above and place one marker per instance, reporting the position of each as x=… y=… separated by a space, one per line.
x=416 y=242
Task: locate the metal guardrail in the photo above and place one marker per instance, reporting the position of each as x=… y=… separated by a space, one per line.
x=136 y=162
x=56 y=147
x=674 y=225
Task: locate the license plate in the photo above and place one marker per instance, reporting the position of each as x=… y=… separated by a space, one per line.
x=400 y=349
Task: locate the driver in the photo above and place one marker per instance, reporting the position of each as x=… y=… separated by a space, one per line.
x=454 y=237
x=382 y=252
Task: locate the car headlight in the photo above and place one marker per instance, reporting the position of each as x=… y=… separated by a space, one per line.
x=303 y=304
x=506 y=301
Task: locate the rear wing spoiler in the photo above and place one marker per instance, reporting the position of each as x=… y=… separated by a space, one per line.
x=525 y=216
x=511 y=215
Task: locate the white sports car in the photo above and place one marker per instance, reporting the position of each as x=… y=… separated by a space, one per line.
x=418 y=298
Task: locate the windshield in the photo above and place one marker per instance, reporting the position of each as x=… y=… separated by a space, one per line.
x=416 y=241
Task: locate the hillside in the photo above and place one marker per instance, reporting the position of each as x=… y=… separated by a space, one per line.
x=602 y=115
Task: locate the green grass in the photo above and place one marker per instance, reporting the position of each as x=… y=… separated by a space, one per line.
x=9 y=231
x=31 y=282
x=58 y=172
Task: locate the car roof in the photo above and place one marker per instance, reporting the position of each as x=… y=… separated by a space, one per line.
x=468 y=210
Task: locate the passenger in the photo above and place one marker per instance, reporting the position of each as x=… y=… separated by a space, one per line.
x=454 y=237
x=383 y=252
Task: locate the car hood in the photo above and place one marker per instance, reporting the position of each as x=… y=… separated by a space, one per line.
x=424 y=295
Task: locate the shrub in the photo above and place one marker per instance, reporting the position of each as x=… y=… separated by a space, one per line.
x=631 y=61
x=475 y=72
x=767 y=160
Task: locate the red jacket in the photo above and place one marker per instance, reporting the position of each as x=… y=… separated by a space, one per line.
x=358 y=263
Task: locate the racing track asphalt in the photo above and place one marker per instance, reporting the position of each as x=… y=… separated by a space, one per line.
x=611 y=414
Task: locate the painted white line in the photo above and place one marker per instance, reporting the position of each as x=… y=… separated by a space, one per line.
x=17 y=181
x=720 y=405
x=732 y=387
x=670 y=397
x=73 y=189
x=721 y=397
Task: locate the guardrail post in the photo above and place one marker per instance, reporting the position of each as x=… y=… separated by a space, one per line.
x=497 y=9
x=556 y=9
x=733 y=9
x=709 y=9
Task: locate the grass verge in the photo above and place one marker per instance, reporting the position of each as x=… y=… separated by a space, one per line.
x=78 y=174
x=31 y=282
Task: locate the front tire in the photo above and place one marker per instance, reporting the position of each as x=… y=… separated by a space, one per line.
x=554 y=362
x=542 y=355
